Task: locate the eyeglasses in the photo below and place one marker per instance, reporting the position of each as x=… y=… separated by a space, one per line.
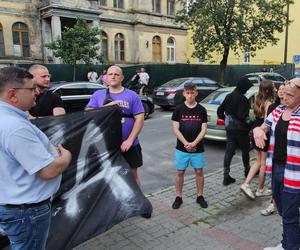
x=33 y=88
x=292 y=84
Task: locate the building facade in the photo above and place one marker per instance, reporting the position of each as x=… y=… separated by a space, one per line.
x=132 y=31
x=268 y=55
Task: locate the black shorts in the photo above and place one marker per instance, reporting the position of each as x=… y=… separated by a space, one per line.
x=134 y=156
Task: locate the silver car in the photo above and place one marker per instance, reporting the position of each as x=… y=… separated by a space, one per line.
x=216 y=127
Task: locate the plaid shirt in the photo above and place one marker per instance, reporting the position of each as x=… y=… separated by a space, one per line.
x=292 y=168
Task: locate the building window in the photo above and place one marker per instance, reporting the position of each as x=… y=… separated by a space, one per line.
x=119 y=47
x=104 y=45
x=171 y=50
x=20 y=39
x=2 y=49
x=202 y=59
x=102 y=2
x=171 y=7
x=119 y=4
x=246 y=56
x=156 y=6
x=156 y=49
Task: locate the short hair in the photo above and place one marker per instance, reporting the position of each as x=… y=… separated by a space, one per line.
x=33 y=68
x=14 y=76
x=189 y=86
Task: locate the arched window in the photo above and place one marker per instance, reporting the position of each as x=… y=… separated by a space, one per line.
x=119 y=47
x=156 y=6
x=119 y=4
x=171 y=50
x=156 y=49
x=171 y=7
x=21 y=39
x=104 y=45
x=2 y=49
x=103 y=2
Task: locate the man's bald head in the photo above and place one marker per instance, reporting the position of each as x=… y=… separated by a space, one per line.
x=41 y=76
x=115 y=76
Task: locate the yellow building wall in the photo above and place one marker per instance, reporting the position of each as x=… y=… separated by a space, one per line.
x=270 y=54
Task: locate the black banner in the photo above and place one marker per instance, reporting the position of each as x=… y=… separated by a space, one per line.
x=97 y=190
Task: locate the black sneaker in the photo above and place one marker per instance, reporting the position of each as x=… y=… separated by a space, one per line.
x=200 y=200
x=177 y=202
x=228 y=180
x=146 y=216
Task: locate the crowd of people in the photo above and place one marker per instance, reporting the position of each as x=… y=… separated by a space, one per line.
x=31 y=166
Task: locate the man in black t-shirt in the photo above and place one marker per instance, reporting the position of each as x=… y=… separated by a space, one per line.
x=189 y=125
x=47 y=103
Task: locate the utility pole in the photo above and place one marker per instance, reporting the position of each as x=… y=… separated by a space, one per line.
x=286 y=32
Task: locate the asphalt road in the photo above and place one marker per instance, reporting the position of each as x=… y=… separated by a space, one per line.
x=158 y=143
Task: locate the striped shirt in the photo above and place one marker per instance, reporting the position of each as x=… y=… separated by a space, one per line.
x=292 y=167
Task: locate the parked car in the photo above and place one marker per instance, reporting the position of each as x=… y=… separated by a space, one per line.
x=215 y=126
x=76 y=95
x=257 y=77
x=170 y=95
x=296 y=75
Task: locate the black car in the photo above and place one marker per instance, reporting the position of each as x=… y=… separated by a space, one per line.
x=76 y=95
x=170 y=95
x=257 y=77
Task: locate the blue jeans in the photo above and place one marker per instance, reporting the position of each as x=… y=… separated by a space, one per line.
x=288 y=207
x=26 y=228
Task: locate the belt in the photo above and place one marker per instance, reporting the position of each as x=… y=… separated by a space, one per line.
x=29 y=205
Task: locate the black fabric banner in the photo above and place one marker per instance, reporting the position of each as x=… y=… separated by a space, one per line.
x=97 y=190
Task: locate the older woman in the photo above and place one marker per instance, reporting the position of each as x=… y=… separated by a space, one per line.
x=283 y=162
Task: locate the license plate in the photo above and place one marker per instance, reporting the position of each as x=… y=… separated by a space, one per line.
x=160 y=93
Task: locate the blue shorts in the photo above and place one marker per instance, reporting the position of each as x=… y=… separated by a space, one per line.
x=183 y=159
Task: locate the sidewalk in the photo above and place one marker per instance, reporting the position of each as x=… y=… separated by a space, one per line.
x=230 y=222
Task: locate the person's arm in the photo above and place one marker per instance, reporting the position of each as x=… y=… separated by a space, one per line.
x=221 y=110
x=58 y=166
x=137 y=127
x=59 y=111
x=200 y=135
x=178 y=134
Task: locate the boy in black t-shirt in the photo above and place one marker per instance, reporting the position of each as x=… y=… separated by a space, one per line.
x=189 y=125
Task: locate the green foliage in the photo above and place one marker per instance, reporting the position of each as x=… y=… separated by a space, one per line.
x=79 y=43
x=232 y=25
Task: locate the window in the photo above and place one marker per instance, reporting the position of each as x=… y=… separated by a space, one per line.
x=20 y=39
x=102 y=2
x=156 y=6
x=202 y=59
x=171 y=7
x=118 y=4
x=156 y=49
x=246 y=56
x=2 y=50
x=171 y=50
x=104 y=45
x=119 y=47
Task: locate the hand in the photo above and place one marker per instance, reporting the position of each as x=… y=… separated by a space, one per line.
x=190 y=147
x=64 y=153
x=126 y=145
x=259 y=137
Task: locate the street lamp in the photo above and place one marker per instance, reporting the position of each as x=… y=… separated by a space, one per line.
x=286 y=32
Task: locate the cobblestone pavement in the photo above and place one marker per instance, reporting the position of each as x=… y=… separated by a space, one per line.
x=230 y=222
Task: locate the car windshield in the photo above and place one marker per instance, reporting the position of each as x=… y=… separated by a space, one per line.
x=216 y=97
x=174 y=82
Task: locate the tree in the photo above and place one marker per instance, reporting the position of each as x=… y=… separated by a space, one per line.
x=222 y=25
x=76 y=44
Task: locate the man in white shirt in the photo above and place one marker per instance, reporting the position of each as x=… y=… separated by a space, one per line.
x=144 y=80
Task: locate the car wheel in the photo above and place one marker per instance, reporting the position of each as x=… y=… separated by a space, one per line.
x=147 y=109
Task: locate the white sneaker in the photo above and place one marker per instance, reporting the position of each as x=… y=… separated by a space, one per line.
x=271 y=209
x=245 y=188
x=278 y=247
x=264 y=192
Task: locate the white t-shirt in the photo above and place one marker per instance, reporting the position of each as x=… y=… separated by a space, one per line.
x=92 y=76
x=144 y=78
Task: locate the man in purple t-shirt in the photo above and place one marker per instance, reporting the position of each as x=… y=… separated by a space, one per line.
x=133 y=116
